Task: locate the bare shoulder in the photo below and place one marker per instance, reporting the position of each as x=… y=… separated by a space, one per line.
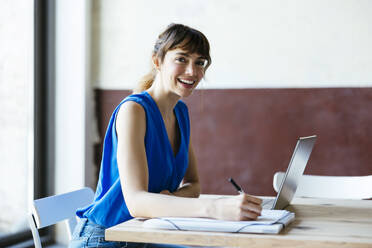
x=131 y=115
x=131 y=108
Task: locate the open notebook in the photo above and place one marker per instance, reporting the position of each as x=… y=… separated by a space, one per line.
x=270 y=221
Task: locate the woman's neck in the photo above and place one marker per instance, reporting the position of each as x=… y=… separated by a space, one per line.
x=166 y=101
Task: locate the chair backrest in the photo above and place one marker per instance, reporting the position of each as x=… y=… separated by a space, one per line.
x=50 y=210
x=336 y=187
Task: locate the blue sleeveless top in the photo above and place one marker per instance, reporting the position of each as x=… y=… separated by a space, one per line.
x=166 y=171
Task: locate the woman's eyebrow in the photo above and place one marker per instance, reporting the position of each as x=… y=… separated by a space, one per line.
x=187 y=55
x=183 y=54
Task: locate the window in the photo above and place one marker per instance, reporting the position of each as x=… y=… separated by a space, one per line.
x=16 y=119
x=26 y=122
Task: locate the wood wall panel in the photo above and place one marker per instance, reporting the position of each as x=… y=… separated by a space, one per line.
x=249 y=134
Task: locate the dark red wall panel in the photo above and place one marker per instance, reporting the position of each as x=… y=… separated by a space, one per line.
x=249 y=134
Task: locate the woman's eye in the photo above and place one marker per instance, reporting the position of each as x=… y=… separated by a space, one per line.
x=201 y=63
x=181 y=59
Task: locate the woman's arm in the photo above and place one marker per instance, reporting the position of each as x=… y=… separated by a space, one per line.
x=190 y=186
x=132 y=164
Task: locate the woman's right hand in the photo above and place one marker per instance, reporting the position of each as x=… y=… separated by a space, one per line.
x=237 y=208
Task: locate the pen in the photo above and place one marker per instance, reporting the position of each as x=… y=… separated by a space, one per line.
x=237 y=187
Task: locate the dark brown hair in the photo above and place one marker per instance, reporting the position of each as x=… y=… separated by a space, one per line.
x=176 y=36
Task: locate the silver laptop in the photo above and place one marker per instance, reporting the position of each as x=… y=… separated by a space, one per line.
x=293 y=175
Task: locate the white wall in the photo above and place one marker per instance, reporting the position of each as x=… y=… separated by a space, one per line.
x=72 y=91
x=268 y=43
x=74 y=119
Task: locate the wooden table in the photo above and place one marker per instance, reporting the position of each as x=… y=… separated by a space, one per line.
x=319 y=223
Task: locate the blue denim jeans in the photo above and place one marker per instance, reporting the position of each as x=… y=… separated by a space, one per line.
x=88 y=234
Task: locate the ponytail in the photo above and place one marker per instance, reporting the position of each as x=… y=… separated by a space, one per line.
x=145 y=82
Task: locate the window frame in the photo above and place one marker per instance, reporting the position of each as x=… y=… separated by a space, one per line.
x=44 y=104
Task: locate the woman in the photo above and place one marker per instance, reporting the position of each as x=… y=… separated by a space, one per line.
x=148 y=165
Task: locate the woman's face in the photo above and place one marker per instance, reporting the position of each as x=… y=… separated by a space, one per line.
x=181 y=71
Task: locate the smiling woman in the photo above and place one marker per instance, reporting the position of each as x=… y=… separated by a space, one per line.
x=183 y=69
x=148 y=166
x=180 y=72
x=180 y=42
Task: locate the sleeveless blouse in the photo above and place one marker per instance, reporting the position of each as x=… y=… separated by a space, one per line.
x=165 y=169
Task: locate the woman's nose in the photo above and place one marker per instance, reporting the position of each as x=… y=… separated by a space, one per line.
x=190 y=69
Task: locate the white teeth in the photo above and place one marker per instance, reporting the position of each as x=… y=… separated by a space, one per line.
x=186 y=81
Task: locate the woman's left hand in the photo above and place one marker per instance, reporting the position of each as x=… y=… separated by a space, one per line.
x=166 y=192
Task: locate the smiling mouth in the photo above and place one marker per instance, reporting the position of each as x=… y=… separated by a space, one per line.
x=184 y=81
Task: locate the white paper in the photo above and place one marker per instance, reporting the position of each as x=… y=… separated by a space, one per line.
x=270 y=221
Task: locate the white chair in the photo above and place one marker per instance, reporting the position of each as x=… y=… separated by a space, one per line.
x=334 y=187
x=50 y=210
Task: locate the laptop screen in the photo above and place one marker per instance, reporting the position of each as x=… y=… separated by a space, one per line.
x=294 y=172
